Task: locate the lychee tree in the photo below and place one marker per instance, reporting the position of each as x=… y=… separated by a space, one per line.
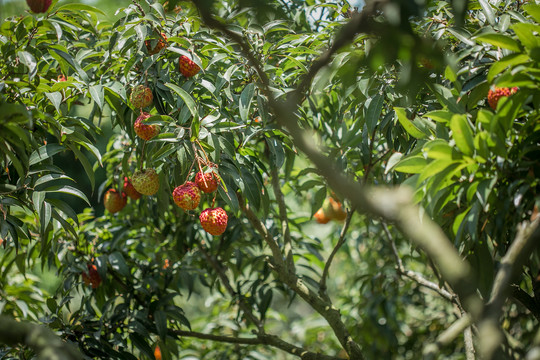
x=281 y=179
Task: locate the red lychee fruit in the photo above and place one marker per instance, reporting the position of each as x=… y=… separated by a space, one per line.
x=333 y=210
x=162 y=43
x=187 y=67
x=187 y=196
x=207 y=182
x=214 y=221
x=130 y=190
x=320 y=217
x=61 y=78
x=92 y=278
x=495 y=94
x=114 y=201
x=144 y=131
x=146 y=181
x=141 y=97
x=39 y=6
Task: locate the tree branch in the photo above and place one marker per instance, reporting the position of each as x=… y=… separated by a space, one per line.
x=39 y=338
x=261 y=339
x=339 y=244
x=284 y=220
x=447 y=337
x=225 y=280
x=527 y=238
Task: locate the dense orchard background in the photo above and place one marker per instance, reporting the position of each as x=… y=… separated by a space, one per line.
x=379 y=166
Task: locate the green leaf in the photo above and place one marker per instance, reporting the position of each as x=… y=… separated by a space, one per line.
x=56 y=99
x=411 y=165
x=408 y=125
x=86 y=165
x=83 y=7
x=276 y=149
x=188 y=100
x=245 y=101
x=96 y=92
x=434 y=167
x=50 y=177
x=462 y=134
x=251 y=189
x=374 y=112
x=118 y=263
x=499 y=40
x=67 y=190
x=441 y=116
x=533 y=10
x=142 y=345
x=525 y=33
x=61 y=55
x=488 y=11
x=161 y=323
x=30 y=61
x=44 y=152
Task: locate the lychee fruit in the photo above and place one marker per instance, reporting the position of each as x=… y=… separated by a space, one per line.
x=130 y=190
x=214 y=221
x=162 y=43
x=61 y=78
x=333 y=210
x=187 y=196
x=187 y=67
x=495 y=94
x=39 y=6
x=142 y=130
x=141 y=97
x=92 y=278
x=146 y=181
x=157 y=353
x=114 y=201
x=207 y=182
x=320 y=217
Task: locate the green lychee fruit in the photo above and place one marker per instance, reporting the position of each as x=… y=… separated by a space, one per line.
x=141 y=97
x=114 y=201
x=145 y=181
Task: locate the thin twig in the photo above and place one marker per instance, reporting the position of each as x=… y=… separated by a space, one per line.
x=339 y=244
x=225 y=281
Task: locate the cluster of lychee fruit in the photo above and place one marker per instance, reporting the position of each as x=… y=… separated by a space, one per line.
x=330 y=210
x=92 y=277
x=188 y=196
x=495 y=94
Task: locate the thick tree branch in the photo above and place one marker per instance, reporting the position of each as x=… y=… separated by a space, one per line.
x=261 y=339
x=527 y=238
x=431 y=351
x=339 y=244
x=284 y=220
x=40 y=339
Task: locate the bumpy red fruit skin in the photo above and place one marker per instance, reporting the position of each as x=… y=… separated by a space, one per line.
x=39 y=6
x=143 y=131
x=146 y=181
x=187 y=196
x=141 y=97
x=214 y=221
x=187 y=67
x=207 y=182
x=494 y=95
x=320 y=217
x=92 y=278
x=130 y=190
x=162 y=43
x=114 y=201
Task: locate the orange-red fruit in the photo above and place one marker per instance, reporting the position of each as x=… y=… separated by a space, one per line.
x=141 y=97
x=494 y=95
x=114 y=201
x=39 y=6
x=207 y=182
x=333 y=210
x=187 y=67
x=143 y=131
x=162 y=43
x=130 y=190
x=61 y=78
x=92 y=278
x=320 y=217
x=214 y=221
x=157 y=353
x=146 y=181
x=187 y=196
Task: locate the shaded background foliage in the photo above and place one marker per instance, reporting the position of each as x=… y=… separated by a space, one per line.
x=404 y=104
